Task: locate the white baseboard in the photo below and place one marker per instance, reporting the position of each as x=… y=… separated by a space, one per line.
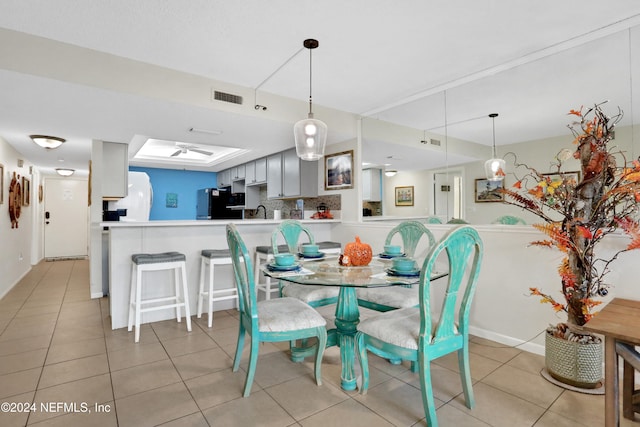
x=507 y=340
x=96 y=295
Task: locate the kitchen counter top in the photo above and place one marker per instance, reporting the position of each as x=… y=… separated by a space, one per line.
x=215 y=222
x=123 y=239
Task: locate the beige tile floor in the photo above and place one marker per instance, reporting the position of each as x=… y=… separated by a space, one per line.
x=57 y=347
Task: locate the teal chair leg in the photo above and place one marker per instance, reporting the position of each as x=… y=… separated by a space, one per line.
x=465 y=376
x=364 y=362
x=395 y=361
x=427 y=392
x=251 y=369
x=239 y=348
x=322 y=343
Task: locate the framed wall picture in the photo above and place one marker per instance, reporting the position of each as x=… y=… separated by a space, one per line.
x=1 y=183
x=338 y=171
x=404 y=196
x=488 y=191
x=573 y=175
x=26 y=191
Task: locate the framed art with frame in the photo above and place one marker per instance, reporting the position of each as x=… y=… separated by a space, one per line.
x=338 y=170
x=26 y=191
x=488 y=191
x=404 y=196
x=571 y=175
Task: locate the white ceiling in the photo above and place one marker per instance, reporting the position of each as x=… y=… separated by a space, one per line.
x=530 y=62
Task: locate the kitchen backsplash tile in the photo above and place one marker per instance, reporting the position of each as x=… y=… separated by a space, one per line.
x=332 y=203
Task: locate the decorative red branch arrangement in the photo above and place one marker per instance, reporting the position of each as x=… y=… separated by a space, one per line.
x=579 y=213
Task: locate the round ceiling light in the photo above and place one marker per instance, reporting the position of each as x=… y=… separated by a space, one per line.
x=65 y=172
x=48 y=142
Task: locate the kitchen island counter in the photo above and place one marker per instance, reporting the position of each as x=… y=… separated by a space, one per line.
x=189 y=238
x=207 y=222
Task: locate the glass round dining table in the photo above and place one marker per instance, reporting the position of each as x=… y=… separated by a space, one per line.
x=327 y=272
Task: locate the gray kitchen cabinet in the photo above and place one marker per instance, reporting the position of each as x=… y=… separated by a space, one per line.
x=256 y=172
x=288 y=176
x=115 y=170
x=238 y=173
x=274 y=176
x=224 y=178
x=371 y=191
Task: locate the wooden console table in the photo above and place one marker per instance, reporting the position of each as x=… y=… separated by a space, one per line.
x=619 y=322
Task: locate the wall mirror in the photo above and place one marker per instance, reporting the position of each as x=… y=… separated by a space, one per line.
x=449 y=129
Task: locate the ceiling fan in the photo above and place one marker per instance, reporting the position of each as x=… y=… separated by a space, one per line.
x=184 y=148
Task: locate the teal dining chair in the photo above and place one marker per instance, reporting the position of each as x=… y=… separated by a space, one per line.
x=433 y=220
x=274 y=320
x=411 y=232
x=412 y=334
x=391 y=298
x=509 y=220
x=316 y=296
x=457 y=221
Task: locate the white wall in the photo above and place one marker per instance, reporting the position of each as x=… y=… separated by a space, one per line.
x=422 y=182
x=17 y=252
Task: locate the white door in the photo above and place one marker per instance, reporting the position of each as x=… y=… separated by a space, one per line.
x=66 y=218
x=447 y=195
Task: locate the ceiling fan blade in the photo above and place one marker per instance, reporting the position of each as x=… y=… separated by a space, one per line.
x=176 y=153
x=197 y=150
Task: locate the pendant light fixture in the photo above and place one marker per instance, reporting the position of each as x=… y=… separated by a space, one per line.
x=310 y=133
x=494 y=167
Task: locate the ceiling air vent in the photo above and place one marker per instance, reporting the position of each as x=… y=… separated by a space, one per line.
x=227 y=97
x=434 y=142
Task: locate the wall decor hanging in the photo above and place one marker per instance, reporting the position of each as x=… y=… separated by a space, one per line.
x=338 y=171
x=26 y=191
x=15 y=200
x=404 y=196
x=488 y=191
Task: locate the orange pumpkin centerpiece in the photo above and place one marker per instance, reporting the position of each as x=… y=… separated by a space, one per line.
x=358 y=253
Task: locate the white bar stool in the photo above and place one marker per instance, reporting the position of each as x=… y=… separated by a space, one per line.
x=265 y=254
x=155 y=262
x=210 y=258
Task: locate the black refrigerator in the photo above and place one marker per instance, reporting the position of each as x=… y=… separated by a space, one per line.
x=213 y=204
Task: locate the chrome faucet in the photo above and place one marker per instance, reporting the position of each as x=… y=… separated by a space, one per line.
x=265 y=210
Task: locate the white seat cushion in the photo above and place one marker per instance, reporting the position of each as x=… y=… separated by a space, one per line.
x=396 y=296
x=397 y=327
x=287 y=314
x=310 y=293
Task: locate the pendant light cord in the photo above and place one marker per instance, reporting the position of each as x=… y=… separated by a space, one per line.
x=631 y=94
x=279 y=68
x=310 y=81
x=493 y=120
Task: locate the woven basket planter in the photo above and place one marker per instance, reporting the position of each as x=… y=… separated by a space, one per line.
x=576 y=364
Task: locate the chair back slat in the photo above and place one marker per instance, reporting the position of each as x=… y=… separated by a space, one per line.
x=290 y=230
x=463 y=249
x=410 y=232
x=242 y=268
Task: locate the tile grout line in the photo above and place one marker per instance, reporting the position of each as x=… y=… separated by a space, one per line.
x=35 y=393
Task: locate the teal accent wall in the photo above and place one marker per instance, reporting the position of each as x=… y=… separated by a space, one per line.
x=178 y=184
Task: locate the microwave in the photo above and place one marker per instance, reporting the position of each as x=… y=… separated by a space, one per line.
x=236 y=199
